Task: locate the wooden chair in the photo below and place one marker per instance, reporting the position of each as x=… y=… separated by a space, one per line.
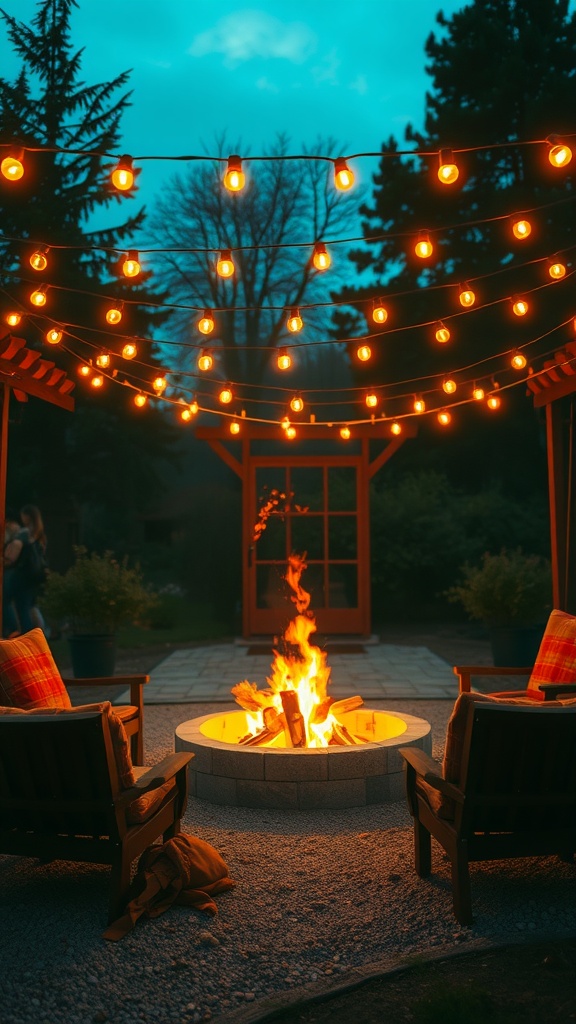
x=466 y=673
x=516 y=796
x=61 y=796
x=132 y=714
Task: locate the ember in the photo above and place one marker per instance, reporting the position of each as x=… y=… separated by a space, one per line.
x=296 y=703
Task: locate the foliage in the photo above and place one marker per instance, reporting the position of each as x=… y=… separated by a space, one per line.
x=97 y=594
x=507 y=589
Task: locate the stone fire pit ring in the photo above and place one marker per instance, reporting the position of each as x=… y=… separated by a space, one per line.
x=335 y=777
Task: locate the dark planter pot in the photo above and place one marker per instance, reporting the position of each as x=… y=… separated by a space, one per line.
x=92 y=656
x=515 y=645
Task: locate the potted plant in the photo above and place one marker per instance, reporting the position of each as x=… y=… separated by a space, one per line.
x=90 y=601
x=511 y=593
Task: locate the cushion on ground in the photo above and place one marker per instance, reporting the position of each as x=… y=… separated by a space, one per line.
x=556 y=658
x=29 y=677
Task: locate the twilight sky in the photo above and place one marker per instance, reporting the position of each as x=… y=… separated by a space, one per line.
x=351 y=69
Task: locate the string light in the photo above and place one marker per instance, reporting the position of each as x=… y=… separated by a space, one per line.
x=419 y=405
x=129 y=350
x=442 y=333
x=234 y=427
x=379 y=311
x=518 y=360
x=294 y=322
x=371 y=400
x=290 y=432
x=466 y=296
x=13 y=318
x=194 y=407
x=185 y=415
x=97 y=381
x=84 y=370
x=131 y=265
x=321 y=257
x=285 y=423
x=449 y=385
x=478 y=393
x=38 y=260
x=114 y=314
x=343 y=176
x=234 y=178
x=364 y=353
x=556 y=269
x=123 y=174
x=345 y=432
x=225 y=265
x=423 y=247
x=225 y=395
x=521 y=228
x=520 y=306
x=444 y=418
x=206 y=322
x=283 y=359
x=53 y=336
x=38 y=297
x=159 y=384
x=205 y=360
x=395 y=428
x=493 y=402
x=447 y=170
x=559 y=153
x=103 y=360
x=140 y=400
x=296 y=403
x=12 y=166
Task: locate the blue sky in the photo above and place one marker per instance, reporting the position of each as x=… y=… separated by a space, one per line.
x=351 y=69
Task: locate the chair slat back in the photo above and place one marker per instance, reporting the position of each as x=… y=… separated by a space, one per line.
x=519 y=769
x=57 y=773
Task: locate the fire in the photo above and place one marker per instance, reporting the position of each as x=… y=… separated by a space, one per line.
x=297 y=700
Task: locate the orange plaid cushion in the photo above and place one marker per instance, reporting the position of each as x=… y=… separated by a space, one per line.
x=29 y=677
x=556 y=659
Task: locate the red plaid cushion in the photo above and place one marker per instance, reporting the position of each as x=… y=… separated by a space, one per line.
x=28 y=674
x=556 y=659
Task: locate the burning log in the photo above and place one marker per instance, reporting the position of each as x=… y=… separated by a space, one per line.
x=341 y=736
x=294 y=717
x=273 y=724
x=249 y=697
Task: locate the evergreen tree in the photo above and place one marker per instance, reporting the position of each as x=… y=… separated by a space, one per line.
x=105 y=450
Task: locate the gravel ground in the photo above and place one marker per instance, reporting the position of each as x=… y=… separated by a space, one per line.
x=319 y=896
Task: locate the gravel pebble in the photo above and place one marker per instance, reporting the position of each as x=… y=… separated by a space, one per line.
x=317 y=894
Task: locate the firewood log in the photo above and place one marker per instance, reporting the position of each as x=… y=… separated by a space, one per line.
x=294 y=718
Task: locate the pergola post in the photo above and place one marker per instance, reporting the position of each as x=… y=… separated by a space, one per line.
x=4 y=412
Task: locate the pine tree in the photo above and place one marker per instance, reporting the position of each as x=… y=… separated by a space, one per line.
x=104 y=450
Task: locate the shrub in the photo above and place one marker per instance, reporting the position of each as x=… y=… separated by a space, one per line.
x=507 y=589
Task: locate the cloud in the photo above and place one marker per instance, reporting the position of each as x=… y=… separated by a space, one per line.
x=250 y=34
x=359 y=85
x=327 y=69
x=266 y=85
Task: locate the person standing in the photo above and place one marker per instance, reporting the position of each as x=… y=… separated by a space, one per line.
x=24 y=560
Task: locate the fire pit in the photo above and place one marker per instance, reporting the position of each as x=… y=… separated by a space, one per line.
x=293 y=746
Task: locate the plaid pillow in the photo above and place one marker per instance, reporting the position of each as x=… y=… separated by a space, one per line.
x=29 y=677
x=556 y=659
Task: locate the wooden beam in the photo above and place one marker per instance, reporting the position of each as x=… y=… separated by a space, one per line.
x=225 y=455
x=308 y=431
x=4 y=415
x=390 y=450
x=22 y=380
x=559 y=389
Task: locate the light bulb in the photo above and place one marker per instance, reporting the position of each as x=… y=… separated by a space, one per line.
x=97 y=381
x=114 y=314
x=225 y=395
x=103 y=360
x=447 y=170
x=419 y=405
x=131 y=265
x=343 y=176
x=53 y=336
x=193 y=406
x=371 y=400
x=321 y=257
x=493 y=402
x=449 y=385
x=38 y=297
x=225 y=265
x=296 y=403
x=185 y=415
x=234 y=427
x=234 y=179
x=290 y=433
x=345 y=432
x=364 y=352
x=205 y=360
x=556 y=269
x=520 y=307
x=521 y=228
x=395 y=428
x=140 y=400
x=444 y=417
x=123 y=174
x=38 y=260
x=467 y=296
x=442 y=333
x=12 y=166
x=423 y=247
x=379 y=312
x=294 y=322
x=478 y=393
x=283 y=360
x=285 y=423
x=159 y=384
x=206 y=322
x=518 y=361
x=129 y=350
x=13 y=318
x=84 y=370
x=559 y=153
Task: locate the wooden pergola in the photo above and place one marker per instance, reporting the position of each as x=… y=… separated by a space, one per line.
x=25 y=373
x=554 y=389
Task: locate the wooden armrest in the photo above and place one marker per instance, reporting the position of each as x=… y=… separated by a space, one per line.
x=426 y=768
x=154 y=777
x=552 y=690
x=107 y=681
x=465 y=673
